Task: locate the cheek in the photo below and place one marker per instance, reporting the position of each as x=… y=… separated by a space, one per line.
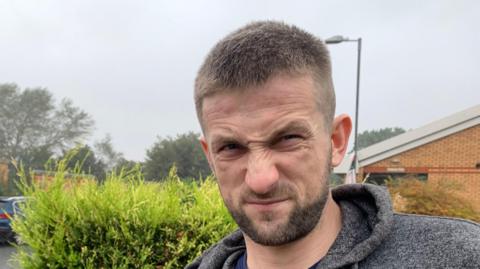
x=299 y=163
x=230 y=178
x=295 y=166
x=228 y=172
x=306 y=170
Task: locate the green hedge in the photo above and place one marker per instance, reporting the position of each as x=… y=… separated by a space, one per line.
x=125 y=222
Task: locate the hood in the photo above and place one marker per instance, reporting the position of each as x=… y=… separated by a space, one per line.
x=367 y=219
x=222 y=255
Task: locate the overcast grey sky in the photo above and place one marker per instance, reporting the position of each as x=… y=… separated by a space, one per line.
x=131 y=64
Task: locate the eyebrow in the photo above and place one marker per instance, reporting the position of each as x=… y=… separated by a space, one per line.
x=296 y=126
x=228 y=136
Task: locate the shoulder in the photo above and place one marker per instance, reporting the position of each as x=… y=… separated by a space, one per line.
x=434 y=223
x=428 y=241
x=438 y=230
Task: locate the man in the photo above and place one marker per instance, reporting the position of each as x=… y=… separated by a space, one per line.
x=265 y=100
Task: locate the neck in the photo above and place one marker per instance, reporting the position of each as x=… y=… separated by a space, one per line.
x=303 y=252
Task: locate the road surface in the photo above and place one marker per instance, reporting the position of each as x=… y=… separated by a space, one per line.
x=6 y=252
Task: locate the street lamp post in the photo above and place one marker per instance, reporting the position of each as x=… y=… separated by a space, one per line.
x=339 y=39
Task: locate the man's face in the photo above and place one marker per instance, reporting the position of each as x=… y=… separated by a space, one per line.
x=271 y=154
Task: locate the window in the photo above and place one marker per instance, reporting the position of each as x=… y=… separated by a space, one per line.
x=380 y=179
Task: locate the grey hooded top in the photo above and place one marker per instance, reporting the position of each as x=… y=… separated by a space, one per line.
x=372 y=236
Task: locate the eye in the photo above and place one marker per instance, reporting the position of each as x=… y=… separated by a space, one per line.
x=291 y=136
x=228 y=147
x=287 y=142
x=230 y=151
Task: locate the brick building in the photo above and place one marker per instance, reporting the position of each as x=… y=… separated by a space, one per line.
x=3 y=173
x=447 y=149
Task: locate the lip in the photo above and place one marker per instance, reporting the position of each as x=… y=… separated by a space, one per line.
x=265 y=205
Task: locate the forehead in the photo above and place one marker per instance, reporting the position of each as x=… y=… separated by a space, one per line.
x=280 y=97
x=278 y=91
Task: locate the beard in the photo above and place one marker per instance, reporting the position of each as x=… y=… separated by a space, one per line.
x=302 y=219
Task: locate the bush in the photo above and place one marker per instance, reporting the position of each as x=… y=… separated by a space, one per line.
x=122 y=223
x=335 y=180
x=423 y=197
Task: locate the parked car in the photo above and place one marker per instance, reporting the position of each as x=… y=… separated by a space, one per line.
x=9 y=208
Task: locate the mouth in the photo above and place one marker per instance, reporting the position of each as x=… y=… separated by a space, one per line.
x=265 y=205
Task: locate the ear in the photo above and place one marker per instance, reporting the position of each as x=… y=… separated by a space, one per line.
x=341 y=128
x=206 y=151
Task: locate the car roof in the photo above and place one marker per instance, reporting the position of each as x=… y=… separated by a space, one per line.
x=12 y=198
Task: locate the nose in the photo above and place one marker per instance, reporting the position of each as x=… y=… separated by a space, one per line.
x=262 y=174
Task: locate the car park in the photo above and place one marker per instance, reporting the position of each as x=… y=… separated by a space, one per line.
x=9 y=209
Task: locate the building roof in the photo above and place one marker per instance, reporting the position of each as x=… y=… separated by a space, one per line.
x=345 y=165
x=414 y=138
x=417 y=137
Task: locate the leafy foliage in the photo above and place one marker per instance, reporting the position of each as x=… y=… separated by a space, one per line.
x=423 y=197
x=85 y=157
x=123 y=223
x=124 y=164
x=368 y=138
x=32 y=126
x=107 y=154
x=184 y=152
x=335 y=180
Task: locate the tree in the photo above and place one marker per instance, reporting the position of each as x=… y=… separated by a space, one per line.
x=127 y=165
x=99 y=161
x=33 y=127
x=368 y=138
x=89 y=163
x=184 y=151
x=114 y=161
x=107 y=154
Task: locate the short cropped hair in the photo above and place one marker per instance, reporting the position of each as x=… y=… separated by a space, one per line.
x=253 y=54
